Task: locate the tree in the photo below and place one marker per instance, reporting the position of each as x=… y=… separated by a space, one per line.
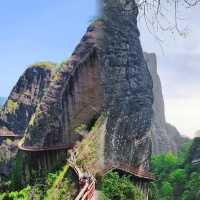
x=121 y=188
x=164 y=15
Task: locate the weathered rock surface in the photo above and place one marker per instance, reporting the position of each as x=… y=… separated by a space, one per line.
x=108 y=72
x=73 y=98
x=25 y=96
x=128 y=88
x=18 y=109
x=8 y=153
x=165 y=137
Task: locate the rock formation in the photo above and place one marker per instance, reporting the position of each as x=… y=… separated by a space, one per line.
x=25 y=96
x=165 y=136
x=74 y=97
x=128 y=89
x=106 y=74
x=18 y=109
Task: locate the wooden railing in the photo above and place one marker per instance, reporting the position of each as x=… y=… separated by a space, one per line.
x=86 y=183
x=9 y=134
x=137 y=172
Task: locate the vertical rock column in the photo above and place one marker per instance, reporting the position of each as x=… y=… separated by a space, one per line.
x=128 y=87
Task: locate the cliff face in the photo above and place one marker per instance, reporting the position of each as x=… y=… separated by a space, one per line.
x=128 y=88
x=73 y=98
x=165 y=136
x=18 y=109
x=25 y=96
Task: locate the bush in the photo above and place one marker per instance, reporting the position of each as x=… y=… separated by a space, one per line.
x=120 y=188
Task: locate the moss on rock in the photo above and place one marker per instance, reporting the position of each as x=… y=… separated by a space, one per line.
x=11 y=106
x=44 y=64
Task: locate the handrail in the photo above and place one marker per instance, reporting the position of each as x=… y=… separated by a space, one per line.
x=7 y=133
x=87 y=184
x=129 y=169
x=37 y=148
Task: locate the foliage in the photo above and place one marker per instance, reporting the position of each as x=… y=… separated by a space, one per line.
x=17 y=171
x=44 y=64
x=88 y=148
x=120 y=188
x=56 y=186
x=11 y=106
x=51 y=194
x=79 y=128
x=174 y=178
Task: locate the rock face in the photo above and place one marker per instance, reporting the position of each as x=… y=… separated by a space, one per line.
x=74 y=97
x=165 y=136
x=106 y=73
x=18 y=109
x=128 y=88
x=25 y=96
x=8 y=153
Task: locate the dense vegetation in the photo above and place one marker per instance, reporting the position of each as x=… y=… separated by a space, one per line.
x=114 y=187
x=175 y=178
x=58 y=185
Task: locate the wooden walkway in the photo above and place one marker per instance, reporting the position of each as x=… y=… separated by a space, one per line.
x=87 y=181
x=38 y=148
x=129 y=169
x=9 y=134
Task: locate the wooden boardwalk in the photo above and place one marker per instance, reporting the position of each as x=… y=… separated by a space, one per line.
x=129 y=169
x=38 y=148
x=9 y=134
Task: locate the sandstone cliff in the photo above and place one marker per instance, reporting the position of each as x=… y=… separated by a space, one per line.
x=106 y=74
x=25 y=96
x=18 y=109
x=128 y=88
x=165 y=136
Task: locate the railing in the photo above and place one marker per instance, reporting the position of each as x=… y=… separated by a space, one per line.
x=38 y=148
x=86 y=183
x=9 y=134
x=88 y=190
x=129 y=169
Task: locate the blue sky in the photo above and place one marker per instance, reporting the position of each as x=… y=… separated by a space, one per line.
x=36 y=30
